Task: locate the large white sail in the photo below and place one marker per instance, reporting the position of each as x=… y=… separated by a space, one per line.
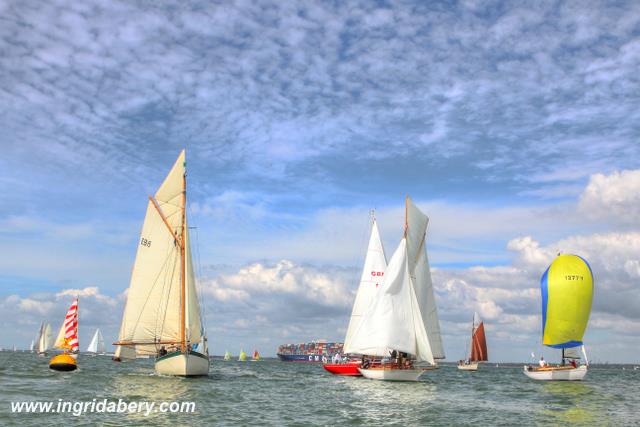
x=393 y=321
x=417 y=223
x=375 y=264
x=403 y=314
x=97 y=343
x=152 y=313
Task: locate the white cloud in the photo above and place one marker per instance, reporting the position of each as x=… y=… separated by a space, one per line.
x=615 y=197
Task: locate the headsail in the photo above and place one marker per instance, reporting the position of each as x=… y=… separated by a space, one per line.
x=567 y=294
x=68 y=335
x=154 y=308
x=375 y=264
x=478 y=342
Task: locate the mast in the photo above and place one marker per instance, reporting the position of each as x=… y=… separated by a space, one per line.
x=473 y=324
x=183 y=264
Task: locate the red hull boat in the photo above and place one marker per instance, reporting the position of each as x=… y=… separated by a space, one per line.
x=344 y=368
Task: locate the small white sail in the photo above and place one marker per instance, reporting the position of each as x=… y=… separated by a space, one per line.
x=44 y=338
x=97 y=343
x=375 y=264
x=32 y=346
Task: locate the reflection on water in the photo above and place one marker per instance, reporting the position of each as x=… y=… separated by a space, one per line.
x=569 y=402
x=276 y=393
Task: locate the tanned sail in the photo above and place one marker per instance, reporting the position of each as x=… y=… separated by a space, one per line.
x=478 y=344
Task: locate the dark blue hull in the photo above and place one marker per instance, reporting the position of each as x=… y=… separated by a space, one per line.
x=301 y=357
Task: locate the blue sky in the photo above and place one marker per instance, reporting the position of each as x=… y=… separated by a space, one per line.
x=502 y=120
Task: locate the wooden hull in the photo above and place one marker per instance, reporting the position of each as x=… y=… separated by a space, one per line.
x=349 y=369
x=392 y=374
x=556 y=373
x=468 y=367
x=183 y=364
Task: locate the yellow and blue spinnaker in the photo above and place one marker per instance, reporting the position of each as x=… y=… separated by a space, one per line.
x=567 y=294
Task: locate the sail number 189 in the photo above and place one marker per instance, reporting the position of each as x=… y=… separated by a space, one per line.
x=145 y=242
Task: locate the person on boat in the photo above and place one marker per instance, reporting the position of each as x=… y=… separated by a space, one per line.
x=542 y=363
x=573 y=363
x=337 y=358
x=162 y=352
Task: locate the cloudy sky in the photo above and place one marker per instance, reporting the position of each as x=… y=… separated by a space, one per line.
x=515 y=127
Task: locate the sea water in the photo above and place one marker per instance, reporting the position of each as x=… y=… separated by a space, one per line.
x=271 y=392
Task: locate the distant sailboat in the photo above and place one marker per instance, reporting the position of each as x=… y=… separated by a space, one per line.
x=227 y=355
x=567 y=294
x=44 y=340
x=402 y=321
x=373 y=269
x=67 y=341
x=478 y=346
x=162 y=313
x=32 y=346
x=97 y=343
x=256 y=356
x=242 y=357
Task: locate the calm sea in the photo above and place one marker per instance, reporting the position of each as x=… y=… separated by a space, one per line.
x=299 y=394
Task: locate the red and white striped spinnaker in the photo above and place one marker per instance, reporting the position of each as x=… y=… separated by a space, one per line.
x=68 y=335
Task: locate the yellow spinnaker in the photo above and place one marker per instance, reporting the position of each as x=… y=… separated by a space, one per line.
x=567 y=294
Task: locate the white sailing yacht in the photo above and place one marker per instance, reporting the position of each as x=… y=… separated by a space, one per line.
x=373 y=269
x=162 y=314
x=44 y=341
x=402 y=321
x=96 y=346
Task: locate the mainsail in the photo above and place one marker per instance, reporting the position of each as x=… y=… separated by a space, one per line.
x=162 y=304
x=68 y=335
x=97 y=343
x=478 y=342
x=567 y=294
x=403 y=313
x=375 y=264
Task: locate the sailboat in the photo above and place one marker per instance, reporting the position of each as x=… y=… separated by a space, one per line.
x=401 y=325
x=227 y=355
x=478 y=346
x=242 y=357
x=32 y=346
x=567 y=294
x=373 y=269
x=97 y=343
x=44 y=339
x=256 y=356
x=67 y=341
x=162 y=314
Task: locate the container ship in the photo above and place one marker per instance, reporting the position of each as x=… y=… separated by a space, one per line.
x=309 y=352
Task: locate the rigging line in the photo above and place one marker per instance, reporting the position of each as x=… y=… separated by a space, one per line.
x=155 y=281
x=168 y=292
x=201 y=306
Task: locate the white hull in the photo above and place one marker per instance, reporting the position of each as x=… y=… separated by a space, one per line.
x=468 y=367
x=392 y=374
x=573 y=374
x=182 y=364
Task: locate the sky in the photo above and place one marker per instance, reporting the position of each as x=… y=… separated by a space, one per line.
x=515 y=126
